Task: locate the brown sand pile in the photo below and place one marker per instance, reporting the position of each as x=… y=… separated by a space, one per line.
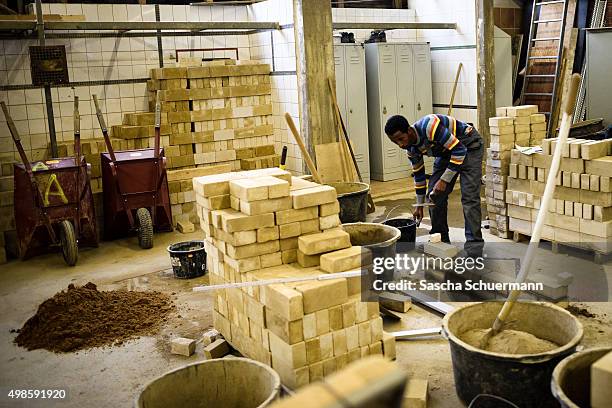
x=83 y=317
x=509 y=342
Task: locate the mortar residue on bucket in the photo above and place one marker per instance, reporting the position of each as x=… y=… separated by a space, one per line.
x=353 y=199
x=372 y=235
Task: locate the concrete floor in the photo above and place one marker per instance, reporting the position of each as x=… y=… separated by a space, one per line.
x=112 y=376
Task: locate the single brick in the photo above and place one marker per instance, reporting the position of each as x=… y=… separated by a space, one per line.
x=182 y=346
x=326 y=241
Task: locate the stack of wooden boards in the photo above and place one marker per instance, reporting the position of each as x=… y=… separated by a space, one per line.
x=581 y=211
x=257 y=224
x=520 y=125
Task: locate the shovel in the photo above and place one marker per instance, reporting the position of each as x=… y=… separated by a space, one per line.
x=549 y=190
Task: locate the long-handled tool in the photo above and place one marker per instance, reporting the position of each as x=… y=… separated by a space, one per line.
x=549 y=190
x=305 y=154
x=452 y=99
x=371 y=205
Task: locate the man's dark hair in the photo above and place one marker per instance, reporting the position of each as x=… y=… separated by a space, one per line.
x=395 y=123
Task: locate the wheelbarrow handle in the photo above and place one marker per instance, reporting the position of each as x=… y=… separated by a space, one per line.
x=107 y=141
x=10 y=123
x=157 y=124
x=99 y=113
x=16 y=139
x=77 y=133
x=157 y=110
x=77 y=116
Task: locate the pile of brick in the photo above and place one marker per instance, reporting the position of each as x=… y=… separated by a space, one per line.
x=581 y=211
x=520 y=125
x=214 y=109
x=182 y=196
x=260 y=157
x=257 y=224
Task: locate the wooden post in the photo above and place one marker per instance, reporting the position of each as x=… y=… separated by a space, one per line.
x=314 y=52
x=485 y=66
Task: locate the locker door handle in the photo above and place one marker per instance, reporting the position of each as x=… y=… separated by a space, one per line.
x=384 y=110
x=419 y=106
x=402 y=106
x=350 y=111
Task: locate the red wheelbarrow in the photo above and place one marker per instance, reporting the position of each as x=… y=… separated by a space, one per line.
x=53 y=200
x=135 y=186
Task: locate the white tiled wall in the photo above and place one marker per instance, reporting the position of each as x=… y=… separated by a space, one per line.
x=444 y=62
x=284 y=87
x=354 y=15
x=111 y=58
x=103 y=59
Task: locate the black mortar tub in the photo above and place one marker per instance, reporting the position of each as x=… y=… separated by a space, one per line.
x=571 y=379
x=523 y=379
x=353 y=199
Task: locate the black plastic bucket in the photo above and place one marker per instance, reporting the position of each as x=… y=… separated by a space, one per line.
x=353 y=199
x=523 y=379
x=571 y=379
x=406 y=226
x=188 y=259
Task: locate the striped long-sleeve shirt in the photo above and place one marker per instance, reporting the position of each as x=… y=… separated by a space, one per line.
x=437 y=135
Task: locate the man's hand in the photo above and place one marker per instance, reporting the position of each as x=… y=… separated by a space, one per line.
x=439 y=188
x=418 y=214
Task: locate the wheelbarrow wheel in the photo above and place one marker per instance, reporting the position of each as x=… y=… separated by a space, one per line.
x=145 y=228
x=70 y=249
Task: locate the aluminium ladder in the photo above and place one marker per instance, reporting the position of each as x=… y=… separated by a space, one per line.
x=535 y=22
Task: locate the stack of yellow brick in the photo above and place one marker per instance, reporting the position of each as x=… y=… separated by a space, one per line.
x=214 y=109
x=182 y=196
x=209 y=113
x=260 y=157
x=257 y=224
x=520 y=125
x=581 y=211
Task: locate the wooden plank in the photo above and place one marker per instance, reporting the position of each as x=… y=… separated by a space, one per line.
x=569 y=53
x=485 y=66
x=327 y=155
x=315 y=64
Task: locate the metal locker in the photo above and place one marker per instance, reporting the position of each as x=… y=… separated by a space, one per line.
x=405 y=82
x=395 y=87
x=352 y=101
x=356 y=106
x=388 y=98
x=422 y=75
x=340 y=79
